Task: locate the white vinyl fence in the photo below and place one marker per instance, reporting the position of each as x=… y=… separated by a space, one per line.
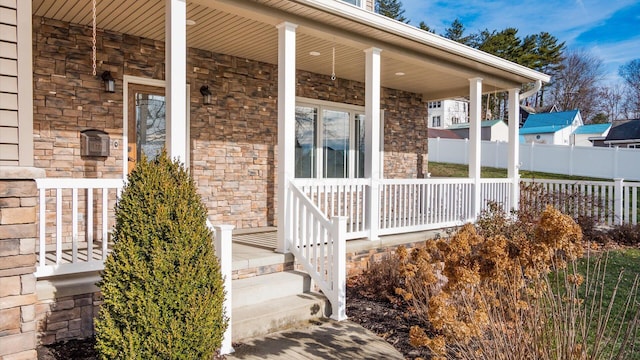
x=599 y=162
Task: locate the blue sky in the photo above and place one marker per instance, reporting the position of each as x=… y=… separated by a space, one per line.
x=609 y=29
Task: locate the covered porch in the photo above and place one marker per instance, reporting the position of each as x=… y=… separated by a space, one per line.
x=262 y=61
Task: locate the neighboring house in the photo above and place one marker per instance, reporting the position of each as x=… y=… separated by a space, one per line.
x=525 y=111
x=491 y=130
x=626 y=134
x=442 y=134
x=444 y=113
x=554 y=128
x=280 y=110
x=586 y=135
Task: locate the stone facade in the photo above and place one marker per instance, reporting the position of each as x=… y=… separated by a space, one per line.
x=18 y=200
x=67 y=317
x=233 y=141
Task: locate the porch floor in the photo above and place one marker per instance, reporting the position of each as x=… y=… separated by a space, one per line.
x=254 y=248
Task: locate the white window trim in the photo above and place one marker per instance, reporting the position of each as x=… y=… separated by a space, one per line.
x=329 y=105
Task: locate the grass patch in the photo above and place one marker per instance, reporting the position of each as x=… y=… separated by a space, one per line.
x=438 y=169
x=610 y=296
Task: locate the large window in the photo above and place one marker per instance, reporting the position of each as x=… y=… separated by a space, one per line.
x=329 y=141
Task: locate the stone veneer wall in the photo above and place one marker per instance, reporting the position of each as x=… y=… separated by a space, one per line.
x=63 y=318
x=18 y=200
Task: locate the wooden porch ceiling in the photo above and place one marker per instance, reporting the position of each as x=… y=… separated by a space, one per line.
x=247 y=29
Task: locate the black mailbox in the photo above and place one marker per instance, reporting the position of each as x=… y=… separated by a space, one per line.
x=94 y=143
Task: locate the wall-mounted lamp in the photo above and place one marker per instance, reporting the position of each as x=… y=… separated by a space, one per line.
x=109 y=82
x=206 y=94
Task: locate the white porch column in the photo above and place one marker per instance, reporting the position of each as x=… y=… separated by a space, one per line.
x=286 y=125
x=475 y=109
x=176 y=78
x=372 y=139
x=513 y=158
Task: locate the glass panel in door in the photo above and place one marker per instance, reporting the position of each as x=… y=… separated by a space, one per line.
x=335 y=143
x=147 y=126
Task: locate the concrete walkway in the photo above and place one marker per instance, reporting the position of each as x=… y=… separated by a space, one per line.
x=324 y=340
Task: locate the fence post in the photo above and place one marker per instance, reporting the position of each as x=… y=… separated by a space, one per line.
x=615 y=161
x=571 y=148
x=531 y=157
x=618 y=203
x=223 y=246
x=339 y=295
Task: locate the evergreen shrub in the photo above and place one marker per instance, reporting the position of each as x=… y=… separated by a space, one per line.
x=162 y=287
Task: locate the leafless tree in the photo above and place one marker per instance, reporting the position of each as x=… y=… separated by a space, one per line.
x=611 y=98
x=576 y=84
x=630 y=72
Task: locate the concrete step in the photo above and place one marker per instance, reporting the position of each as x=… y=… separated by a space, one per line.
x=277 y=314
x=263 y=288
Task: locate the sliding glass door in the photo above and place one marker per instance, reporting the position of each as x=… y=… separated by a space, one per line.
x=329 y=142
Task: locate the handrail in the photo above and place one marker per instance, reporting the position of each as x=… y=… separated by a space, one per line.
x=319 y=245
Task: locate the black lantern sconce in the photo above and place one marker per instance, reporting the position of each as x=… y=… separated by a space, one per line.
x=109 y=82
x=206 y=94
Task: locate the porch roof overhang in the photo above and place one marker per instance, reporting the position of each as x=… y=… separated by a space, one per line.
x=432 y=65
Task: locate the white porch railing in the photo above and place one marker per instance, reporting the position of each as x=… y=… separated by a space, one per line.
x=497 y=191
x=424 y=204
x=339 y=197
x=319 y=245
x=75 y=217
x=609 y=202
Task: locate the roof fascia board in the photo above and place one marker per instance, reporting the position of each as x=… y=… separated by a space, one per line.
x=621 y=141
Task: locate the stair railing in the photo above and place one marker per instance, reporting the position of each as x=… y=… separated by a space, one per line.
x=319 y=245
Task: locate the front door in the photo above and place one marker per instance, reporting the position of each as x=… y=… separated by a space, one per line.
x=147 y=126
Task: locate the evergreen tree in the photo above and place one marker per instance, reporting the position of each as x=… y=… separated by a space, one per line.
x=392 y=9
x=426 y=27
x=455 y=32
x=162 y=287
x=549 y=59
x=505 y=44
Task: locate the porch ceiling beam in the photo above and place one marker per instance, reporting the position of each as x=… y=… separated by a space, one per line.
x=176 y=78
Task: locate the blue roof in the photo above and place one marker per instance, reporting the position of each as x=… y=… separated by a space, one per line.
x=541 y=129
x=558 y=119
x=592 y=129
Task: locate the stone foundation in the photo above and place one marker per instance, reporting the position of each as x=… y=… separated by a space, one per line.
x=18 y=198
x=67 y=318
